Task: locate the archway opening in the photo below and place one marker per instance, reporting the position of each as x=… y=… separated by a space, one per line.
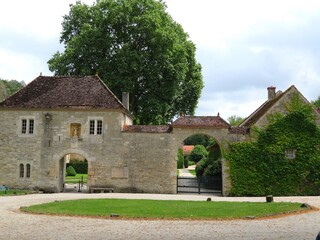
x=200 y=158
x=73 y=173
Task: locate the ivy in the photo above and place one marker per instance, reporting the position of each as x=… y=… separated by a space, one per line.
x=261 y=167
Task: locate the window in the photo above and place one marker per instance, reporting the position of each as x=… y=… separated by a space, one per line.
x=290 y=153
x=95 y=127
x=21 y=170
x=27 y=126
x=28 y=170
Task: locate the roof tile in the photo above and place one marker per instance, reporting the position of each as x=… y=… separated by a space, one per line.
x=147 y=128
x=64 y=92
x=201 y=121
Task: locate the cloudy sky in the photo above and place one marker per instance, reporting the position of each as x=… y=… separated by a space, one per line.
x=243 y=46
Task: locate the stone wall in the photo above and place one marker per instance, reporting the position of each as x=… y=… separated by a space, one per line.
x=125 y=161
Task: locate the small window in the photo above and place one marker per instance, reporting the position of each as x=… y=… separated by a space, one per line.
x=92 y=127
x=27 y=126
x=99 y=127
x=95 y=127
x=31 y=126
x=24 y=126
x=21 y=170
x=28 y=171
x=290 y=153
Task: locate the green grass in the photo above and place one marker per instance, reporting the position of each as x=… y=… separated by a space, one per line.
x=162 y=209
x=192 y=171
x=76 y=179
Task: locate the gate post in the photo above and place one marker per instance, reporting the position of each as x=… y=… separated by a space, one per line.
x=199 y=180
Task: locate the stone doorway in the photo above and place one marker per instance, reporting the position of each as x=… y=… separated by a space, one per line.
x=78 y=182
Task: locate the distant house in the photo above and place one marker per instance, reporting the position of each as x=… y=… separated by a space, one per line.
x=187 y=149
x=275 y=103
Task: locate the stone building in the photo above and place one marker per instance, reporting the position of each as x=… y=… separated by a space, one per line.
x=53 y=117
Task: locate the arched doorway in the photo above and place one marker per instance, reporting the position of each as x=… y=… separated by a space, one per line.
x=201 y=171
x=73 y=172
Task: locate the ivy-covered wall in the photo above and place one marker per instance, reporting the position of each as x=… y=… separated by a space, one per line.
x=261 y=167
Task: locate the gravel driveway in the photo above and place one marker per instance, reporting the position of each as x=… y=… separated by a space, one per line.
x=17 y=225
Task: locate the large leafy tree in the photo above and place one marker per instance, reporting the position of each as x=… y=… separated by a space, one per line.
x=235 y=120
x=316 y=102
x=135 y=46
x=9 y=87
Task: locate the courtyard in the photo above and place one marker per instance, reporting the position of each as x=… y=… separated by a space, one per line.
x=17 y=225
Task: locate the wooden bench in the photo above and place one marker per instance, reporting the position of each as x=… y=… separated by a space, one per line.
x=100 y=190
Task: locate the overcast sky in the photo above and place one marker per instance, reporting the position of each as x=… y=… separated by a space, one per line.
x=243 y=46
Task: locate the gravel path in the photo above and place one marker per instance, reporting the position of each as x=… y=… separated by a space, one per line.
x=17 y=225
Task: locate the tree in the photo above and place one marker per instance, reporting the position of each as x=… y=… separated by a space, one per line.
x=316 y=102
x=9 y=87
x=3 y=91
x=200 y=139
x=235 y=120
x=136 y=47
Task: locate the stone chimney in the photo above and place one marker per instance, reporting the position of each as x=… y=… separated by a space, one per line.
x=271 y=92
x=125 y=100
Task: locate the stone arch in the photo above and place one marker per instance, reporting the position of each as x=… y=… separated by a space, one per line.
x=222 y=138
x=60 y=157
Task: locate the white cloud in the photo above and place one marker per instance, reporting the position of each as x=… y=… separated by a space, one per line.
x=243 y=46
x=20 y=66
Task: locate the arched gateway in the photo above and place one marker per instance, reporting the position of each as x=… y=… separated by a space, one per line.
x=55 y=116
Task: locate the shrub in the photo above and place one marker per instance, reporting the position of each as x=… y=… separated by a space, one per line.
x=200 y=167
x=79 y=166
x=186 y=162
x=198 y=152
x=70 y=171
x=180 y=159
x=190 y=163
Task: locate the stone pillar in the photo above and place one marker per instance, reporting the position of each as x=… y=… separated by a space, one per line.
x=226 y=180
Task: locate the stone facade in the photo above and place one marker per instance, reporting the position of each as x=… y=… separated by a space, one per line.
x=35 y=140
x=124 y=160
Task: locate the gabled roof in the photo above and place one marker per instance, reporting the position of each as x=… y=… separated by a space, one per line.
x=200 y=122
x=64 y=93
x=266 y=106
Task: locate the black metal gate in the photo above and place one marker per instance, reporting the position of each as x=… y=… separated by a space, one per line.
x=199 y=185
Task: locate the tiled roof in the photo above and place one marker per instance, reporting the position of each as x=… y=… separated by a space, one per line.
x=64 y=92
x=187 y=149
x=202 y=121
x=147 y=128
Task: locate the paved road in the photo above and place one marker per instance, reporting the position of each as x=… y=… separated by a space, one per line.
x=184 y=172
x=17 y=225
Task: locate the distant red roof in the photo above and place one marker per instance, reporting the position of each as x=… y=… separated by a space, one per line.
x=147 y=128
x=204 y=121
x=64 y=92
x=187 y=149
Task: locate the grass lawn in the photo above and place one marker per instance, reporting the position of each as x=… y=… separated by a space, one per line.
x=192 y=171
x=76 y=178
x=163 y=209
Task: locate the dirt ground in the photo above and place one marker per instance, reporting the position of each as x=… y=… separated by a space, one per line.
x=17 y=225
